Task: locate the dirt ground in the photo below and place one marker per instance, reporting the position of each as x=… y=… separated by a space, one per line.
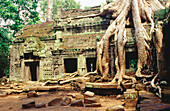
x=14 y=102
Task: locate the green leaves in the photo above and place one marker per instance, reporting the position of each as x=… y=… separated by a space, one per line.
x=4 y=50
x=4 y=41
x=18 y=12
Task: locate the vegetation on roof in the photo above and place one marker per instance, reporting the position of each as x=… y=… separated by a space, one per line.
x=37 y=30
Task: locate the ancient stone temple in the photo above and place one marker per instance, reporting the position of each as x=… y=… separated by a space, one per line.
x=68 y=44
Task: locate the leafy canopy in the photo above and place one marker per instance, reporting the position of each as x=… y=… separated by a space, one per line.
x=18 y=13
x=4 y=50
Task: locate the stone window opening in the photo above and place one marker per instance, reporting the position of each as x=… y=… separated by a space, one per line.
x=70 y=65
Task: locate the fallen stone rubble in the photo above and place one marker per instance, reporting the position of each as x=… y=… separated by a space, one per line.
x=87 y=99
x=149 y=102
x=134 y=100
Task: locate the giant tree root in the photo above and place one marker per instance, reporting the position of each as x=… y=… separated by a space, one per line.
x=158 y=41
x=140 y=9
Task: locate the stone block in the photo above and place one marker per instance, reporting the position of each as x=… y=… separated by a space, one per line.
x=28 y=105
x=77 y=103
x=88 y=94
x=131 y=98
x=93 y=105
x=130 y=103
x=130 y=90
x=55 y=101
x=32 y=94
x=131 y=94
x=79 y=96
x=116 y=108
x=66 y=101
x=40 y=105
x=91 y=100
x=156 y=107
x=147 y=95
x=130 y=109
x=150 y=101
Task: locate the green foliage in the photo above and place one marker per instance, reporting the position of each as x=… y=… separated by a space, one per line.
x=4 y=51
x=130 y=96
x=64 y=4
x=16 y=14
x=19 y=12
x=133 y=64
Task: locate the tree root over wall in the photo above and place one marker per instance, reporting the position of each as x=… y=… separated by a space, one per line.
x=123 y=13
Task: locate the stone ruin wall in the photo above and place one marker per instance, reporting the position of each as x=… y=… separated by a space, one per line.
x=77 y=39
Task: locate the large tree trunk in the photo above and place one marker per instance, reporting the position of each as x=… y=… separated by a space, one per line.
x=141 y=38
x=49 y=10
x=141 y=9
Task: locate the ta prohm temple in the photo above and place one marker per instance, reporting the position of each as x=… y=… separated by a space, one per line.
x=68 y=44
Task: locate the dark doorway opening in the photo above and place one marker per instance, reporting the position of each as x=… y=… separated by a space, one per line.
x=131 y=60
x=91 y=64
x=70 y=65
x=33 y=68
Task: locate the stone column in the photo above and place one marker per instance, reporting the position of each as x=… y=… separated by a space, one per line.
x=82 y=64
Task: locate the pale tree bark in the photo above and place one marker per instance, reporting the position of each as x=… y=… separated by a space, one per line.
x=158 y=42
x=120 y=9
x=141 y=38
x=49 y=10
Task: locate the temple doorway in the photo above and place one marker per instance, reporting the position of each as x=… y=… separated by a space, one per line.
x=32 y=70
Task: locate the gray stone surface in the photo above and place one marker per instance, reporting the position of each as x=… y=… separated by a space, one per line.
x=116 y=108
x=56 y=101
x=93 y=105
x=28 y=105
x=91 y=100
x=66 y=101
x=40 y=105
x=77 y=103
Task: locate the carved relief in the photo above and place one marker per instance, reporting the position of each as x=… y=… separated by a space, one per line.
x=47 y=64
x=32 y=44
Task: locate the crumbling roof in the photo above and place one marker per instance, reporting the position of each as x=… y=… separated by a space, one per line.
x=37 y=30
x=71 y=13
x=48 y=28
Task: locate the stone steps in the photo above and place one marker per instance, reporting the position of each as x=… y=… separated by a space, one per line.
x=149 y=102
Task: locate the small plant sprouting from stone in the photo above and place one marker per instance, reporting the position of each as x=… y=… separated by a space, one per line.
x=130 y=96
